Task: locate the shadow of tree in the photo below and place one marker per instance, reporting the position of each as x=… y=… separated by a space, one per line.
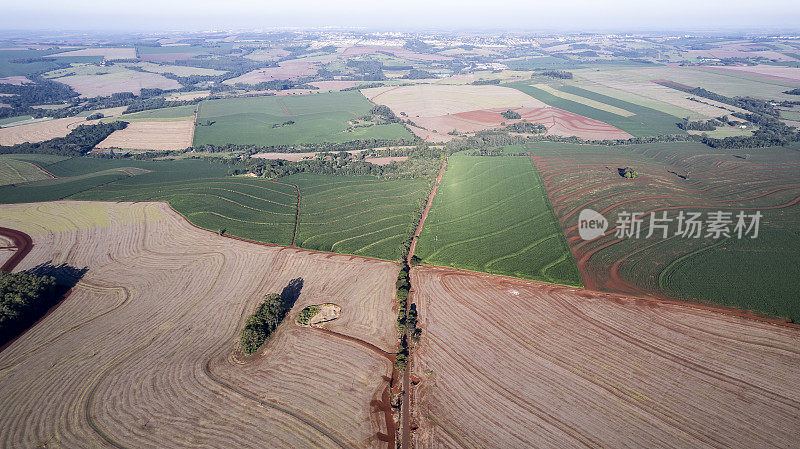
x=291 y=292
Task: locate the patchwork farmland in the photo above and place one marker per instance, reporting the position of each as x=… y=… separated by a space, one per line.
x=491 y=214
x=320 y=117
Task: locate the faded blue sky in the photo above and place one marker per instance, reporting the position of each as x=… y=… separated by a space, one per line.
x=568 y=15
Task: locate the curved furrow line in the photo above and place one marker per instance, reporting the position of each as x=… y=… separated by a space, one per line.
x=366 y=234
x=350 y=229
x=521 y=251
x=305 y=420
x=481 y=237
x=682 y=361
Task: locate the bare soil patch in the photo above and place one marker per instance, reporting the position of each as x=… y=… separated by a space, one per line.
x=152 y=331
x=511 y=363
x=41 y=131
x=151 y=135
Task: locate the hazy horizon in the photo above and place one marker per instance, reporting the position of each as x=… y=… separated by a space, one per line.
x=582 y=15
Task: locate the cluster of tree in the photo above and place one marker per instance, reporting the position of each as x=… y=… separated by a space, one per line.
x=41 y=91
x=628 y=172
x=511 y=115
x=261 y=324
x=325 y=164
x=526 y=128
x=146 y=104
x=24 y=297
x=307 y=313
x=366 y=70
x=754 y=105
x=281 y=125
x=406 y=317
x=382 y=114
x=700 y=125
x=307 y=147
x=95 y=116
x=78 y=142
x=363 y=86
x=417 y=74
x=793 y=91
x=485 y=82
x=559 y=74
x=418 y=46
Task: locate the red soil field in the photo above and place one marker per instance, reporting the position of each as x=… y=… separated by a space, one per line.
x=715 y=181
x=511 y=363
x=558 y=122
x=144 y=351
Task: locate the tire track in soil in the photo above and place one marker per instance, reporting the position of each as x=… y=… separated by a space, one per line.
x=385 y=404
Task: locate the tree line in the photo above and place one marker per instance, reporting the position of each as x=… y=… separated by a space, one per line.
x=78 y=142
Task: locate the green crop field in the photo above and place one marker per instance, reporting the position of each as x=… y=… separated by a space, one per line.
x=645 y=122
x=14 y=171
x=491 y=214
x=317 y=118
x=357 y=215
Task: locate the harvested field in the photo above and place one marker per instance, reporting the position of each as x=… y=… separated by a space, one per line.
x=271 y=54
x=285 y=71
x=168 y=57
x=510 y=363
x=749 y=273
x=386 y=160
x=15 y=80
x=179 y=70
x=334 y=85
x=92 y=81
x=109 y=53
x=187 y=96
x=584 y=100
x=557 y=121
x=151 y=135
x=397 y=51
x=723 y=82
x=41 y=131
x=768 y=72
x=152 y=331
x=427 y=100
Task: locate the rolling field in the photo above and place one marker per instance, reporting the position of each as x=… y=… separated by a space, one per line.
x=757 y=274
x=491 y=214
x=317 y=118
x=92 y=81
x=644 y=121
x=357 y=215
x=41 y=131
x=344 y=214
x=15 y=171
x=151 y=332
x=513 y=363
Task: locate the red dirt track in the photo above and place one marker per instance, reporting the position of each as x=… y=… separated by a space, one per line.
x=22 y=242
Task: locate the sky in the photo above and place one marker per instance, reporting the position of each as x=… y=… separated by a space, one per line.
x=402 y=15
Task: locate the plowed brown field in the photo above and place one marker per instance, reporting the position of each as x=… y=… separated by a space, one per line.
x=143 y=352
x=510 y=363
